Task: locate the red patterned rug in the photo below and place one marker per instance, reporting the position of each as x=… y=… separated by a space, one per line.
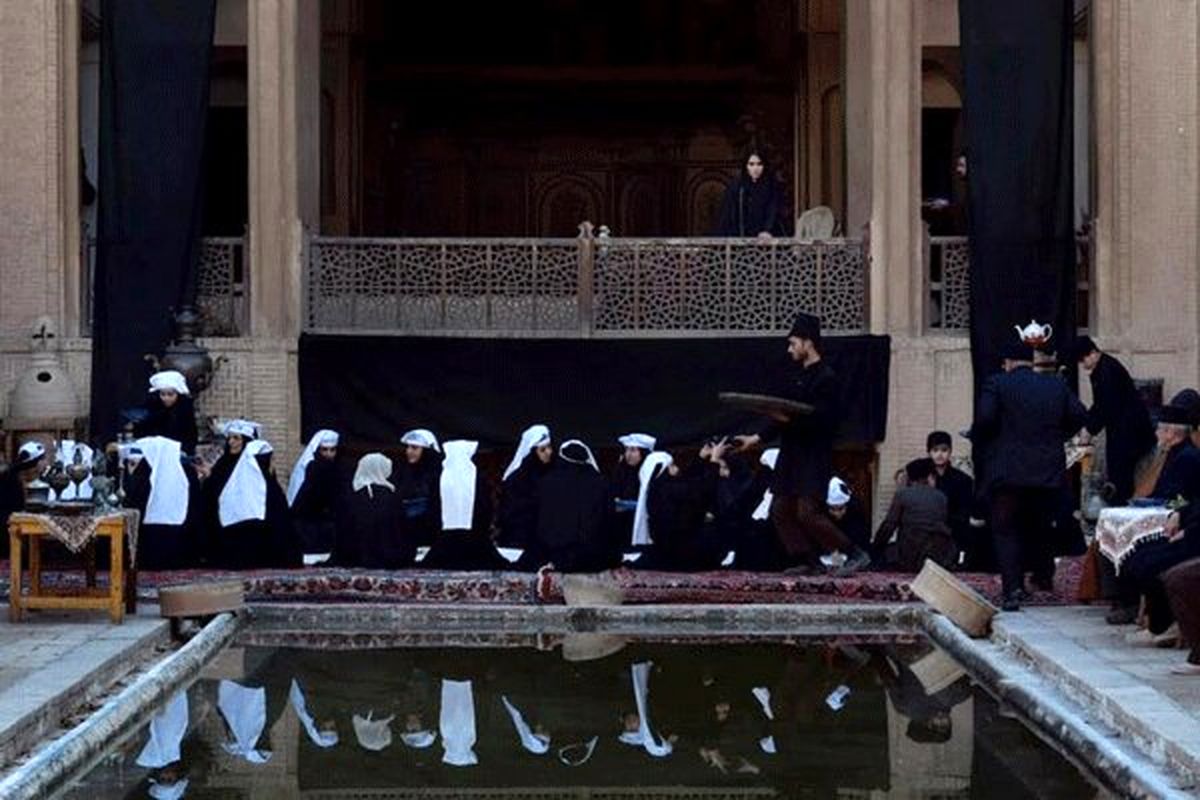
x=328 y=585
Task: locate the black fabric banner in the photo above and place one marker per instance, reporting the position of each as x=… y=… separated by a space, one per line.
x=154 y=80
x=1017 y=70
x=373 y=388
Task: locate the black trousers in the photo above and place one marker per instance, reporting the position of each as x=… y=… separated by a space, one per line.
x=1021 y=521
x=1142 y=573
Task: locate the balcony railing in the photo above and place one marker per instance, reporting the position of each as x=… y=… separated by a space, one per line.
x=222 y=286
x=582 y=287
x=948 y=284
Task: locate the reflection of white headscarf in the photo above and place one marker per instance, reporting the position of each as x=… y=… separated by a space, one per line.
x=457 y=722
x=644 y=736
x=534 y=436
x=167 y=791
x=642 y=440
x=458 y=485
x=322 y=438
x=245 y=712
x=763 y=695
x=67 y=448
x=168 y=503
x=418 y=739
x=652 y=465
x=373 y=734
x=537 y=744
x=374 y=469
x=421 y=437
x=169 y=379
x=588 y=457
x=767 y=459
x=319 y=738
x=245 y=494
x=167 y=730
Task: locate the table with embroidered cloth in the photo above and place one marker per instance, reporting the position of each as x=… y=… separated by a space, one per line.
x=1122 y=529
x=77 y=532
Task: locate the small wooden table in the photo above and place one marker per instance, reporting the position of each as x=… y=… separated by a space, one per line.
x=119 y=597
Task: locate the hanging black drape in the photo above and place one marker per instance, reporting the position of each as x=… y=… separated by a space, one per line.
x=154 y=78
x=1017 y=69
x=373 y=388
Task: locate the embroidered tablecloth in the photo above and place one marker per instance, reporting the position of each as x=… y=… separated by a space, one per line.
x=1122 y=529
x=74 y=531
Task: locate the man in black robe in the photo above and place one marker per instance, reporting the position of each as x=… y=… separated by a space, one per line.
x=806 y=457
x=752 y=203
x=1022 y=419
x=959 y=489
x=574 y=509
x=1118 y=410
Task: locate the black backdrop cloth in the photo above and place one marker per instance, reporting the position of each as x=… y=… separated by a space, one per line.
x=373 y=388
x=154 y=79
x=1017 y=71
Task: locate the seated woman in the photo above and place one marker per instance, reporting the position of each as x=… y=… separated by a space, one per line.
x=519 y=489
x=169 y=411
x=757 y=546
x=572 y=516
x=624 y=485
x=312 y=492
x=676 y=503
x=417 y=482
x=237 y=433
x=369 y=519
x=254 y=529
x=164 y=490
x=465 y=539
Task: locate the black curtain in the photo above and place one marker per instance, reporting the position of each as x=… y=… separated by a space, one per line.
x=154 y=79
x=1017 y=69
x=373 y=388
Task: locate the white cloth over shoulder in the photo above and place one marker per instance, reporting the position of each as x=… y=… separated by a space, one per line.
x=168 y=503
x=767 y=459
x=456 y=722
x=651 y=467
x=169 y=379
x=644 y=736
x=167 y=730
x=373 y=470
x=245 y=494
x=322 y=438
x=534 y=743
x=458 y=485
x=245 y=712
x=534 y=436
x=318 y=737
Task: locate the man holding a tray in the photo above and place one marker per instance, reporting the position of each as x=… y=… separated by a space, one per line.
x=805 y=461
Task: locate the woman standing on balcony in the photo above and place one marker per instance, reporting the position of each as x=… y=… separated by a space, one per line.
x=751 y=203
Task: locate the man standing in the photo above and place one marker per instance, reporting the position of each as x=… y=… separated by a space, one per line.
x=1117 y=409
x=806 y=458
x=1022 y=419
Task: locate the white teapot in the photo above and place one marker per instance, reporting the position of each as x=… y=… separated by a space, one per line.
x=1034 y=333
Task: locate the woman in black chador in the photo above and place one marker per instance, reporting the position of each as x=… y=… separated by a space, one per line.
x=417 y=480
x=170 y=411
x=368 y=519
x=752 y=203
x=164 y=490
x=313 y=490
x=254 y=523
x=520 y=487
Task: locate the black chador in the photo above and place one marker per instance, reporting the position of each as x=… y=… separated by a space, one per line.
x=164 y=490
x=573 y=513
x=519 y=489
x=465 y=539
x=169 y=411
x=313 y=491
x=417 y=480
x=370 y=532
x=254 y=529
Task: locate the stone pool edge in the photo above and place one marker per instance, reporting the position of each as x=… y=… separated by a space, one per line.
x=47 y=770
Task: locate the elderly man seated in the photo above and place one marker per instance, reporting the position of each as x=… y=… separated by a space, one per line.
x=1178 y=482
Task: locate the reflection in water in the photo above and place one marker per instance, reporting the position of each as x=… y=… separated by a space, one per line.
x=763 y=719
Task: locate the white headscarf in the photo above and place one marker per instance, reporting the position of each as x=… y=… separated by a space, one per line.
x=652 y=465
x=418 y=739
x=456 y=722
x=591 y=459
x=534 y=743
x=643 y=440
x=767 y=459
x=319 y=738
x=245 y=712
x=373 y=469
x=644 y=736
x=245 y=494
x=167 y=730
x=420 y=437
x=67 y=448
x=169 y=379
x=458 y=485
x=534 y=436
x=373 y=734
x=168 y=503
x=838 y=494
x=242 y=427
x=322 y=438
x=30 y=452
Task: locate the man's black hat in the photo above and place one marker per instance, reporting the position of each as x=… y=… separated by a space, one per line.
x=806 y=326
